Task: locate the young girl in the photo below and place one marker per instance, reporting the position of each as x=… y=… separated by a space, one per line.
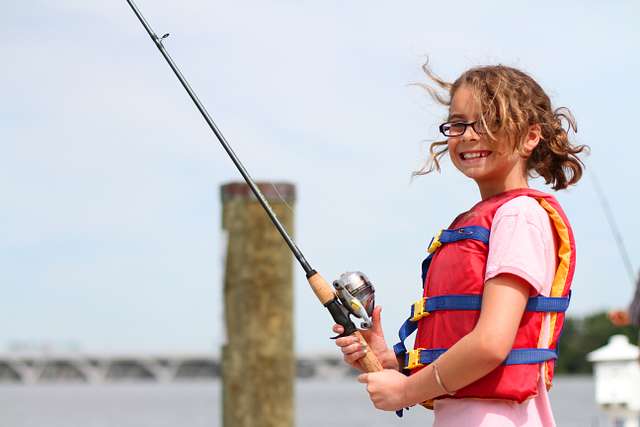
x=496 y=282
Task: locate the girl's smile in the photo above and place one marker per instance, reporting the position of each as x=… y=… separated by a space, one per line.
x=474 y=156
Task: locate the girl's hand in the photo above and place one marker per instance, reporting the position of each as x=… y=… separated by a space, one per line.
x=387 y=389
x=619 y=317
x=353 y=351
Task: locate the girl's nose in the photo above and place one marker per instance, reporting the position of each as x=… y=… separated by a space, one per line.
x=470 y=134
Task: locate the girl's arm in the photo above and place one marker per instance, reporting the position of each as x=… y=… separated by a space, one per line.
x=482 y=350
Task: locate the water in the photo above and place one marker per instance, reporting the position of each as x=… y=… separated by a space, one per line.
x=318 y=403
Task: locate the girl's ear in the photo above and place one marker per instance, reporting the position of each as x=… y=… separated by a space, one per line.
x=531 y=139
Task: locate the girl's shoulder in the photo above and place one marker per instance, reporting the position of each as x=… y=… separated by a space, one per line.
x=521 y=204
x=526 y=209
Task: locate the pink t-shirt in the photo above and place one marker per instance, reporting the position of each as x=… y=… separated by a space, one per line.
x=521 y=243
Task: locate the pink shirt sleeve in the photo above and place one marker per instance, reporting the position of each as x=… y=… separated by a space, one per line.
x=522 y=243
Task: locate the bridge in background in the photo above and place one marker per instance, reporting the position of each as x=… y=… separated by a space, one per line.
x=78 y=367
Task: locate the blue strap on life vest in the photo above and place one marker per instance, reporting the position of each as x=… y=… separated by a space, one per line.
x=517 y=356
x=407 y=328
x=474 y=302
x=549 y=304
x=474 y=232
x=425 y=267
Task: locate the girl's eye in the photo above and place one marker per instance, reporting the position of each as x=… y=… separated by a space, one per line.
x=457 y=128
x=479 y=128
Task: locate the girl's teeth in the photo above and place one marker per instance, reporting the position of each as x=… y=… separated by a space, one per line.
x=466 y=156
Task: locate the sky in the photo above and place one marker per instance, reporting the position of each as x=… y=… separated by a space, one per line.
x=110 y=228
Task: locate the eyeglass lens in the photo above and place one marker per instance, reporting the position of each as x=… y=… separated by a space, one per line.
x=459 y=128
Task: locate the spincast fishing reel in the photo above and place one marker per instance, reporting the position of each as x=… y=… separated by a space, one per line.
x=357 y=298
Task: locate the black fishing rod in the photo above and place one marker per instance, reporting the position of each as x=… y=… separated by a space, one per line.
x=352 y=294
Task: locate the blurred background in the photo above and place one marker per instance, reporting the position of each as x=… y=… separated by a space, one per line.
x=110 y=228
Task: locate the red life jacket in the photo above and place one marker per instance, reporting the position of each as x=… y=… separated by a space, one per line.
x=453 y=277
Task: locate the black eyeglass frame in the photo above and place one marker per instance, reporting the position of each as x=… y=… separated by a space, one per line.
x=477 y=126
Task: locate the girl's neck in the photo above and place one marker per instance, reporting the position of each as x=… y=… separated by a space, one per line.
x=513 y=182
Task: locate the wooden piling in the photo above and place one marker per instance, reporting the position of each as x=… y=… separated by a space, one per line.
x=258 y=363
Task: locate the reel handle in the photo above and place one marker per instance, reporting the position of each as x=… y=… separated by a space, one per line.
x=326 y=294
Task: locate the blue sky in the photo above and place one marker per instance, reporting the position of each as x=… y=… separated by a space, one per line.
x=110 y=231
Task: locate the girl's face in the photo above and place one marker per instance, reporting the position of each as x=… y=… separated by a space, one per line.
x=493 y=164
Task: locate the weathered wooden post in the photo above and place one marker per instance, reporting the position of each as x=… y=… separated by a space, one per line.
x=258 y=364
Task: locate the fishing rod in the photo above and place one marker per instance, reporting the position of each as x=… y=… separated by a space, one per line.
x=352 y=294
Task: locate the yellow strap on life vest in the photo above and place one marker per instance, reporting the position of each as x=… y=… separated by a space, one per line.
x=562 y=272
x=414 y=359
x=435 y=242
x=418 y=309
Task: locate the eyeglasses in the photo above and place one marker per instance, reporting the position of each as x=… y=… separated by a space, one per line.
x=459 y=128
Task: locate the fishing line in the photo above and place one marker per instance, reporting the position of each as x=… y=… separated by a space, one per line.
x=282 y=199
x=614 y=228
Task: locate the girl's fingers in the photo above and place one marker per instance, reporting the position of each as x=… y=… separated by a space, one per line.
x=346 y=341
x=353 y=358
x=352 y=349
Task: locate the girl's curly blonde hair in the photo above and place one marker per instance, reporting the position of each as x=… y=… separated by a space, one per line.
x=510 y=101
